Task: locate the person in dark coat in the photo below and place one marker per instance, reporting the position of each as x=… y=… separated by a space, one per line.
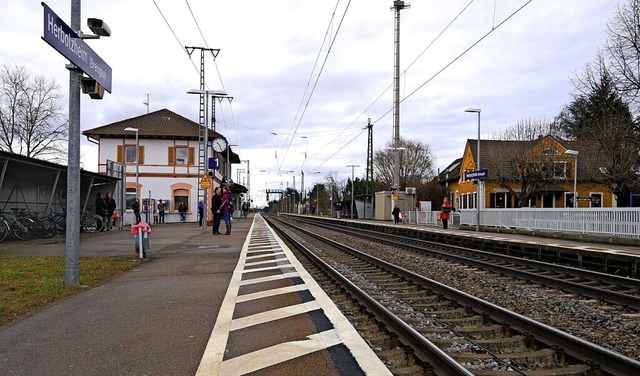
x=111 y=208
x=182 y=209
x=216 y=203
x=101 y=210
x=161 y=208
x=136 y=210
x=396 y=214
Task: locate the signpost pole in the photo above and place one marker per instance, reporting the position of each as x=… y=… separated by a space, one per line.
x=72 y=258
x=65 y=39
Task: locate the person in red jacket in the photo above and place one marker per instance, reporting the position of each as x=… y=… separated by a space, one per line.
x=446 y=212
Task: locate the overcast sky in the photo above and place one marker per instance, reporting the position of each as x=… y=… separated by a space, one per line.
x=306 y=75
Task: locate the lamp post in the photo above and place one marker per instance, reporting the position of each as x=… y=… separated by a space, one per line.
x=479 y=193
x=131 y=129
x=575 y=175
x=352 y=193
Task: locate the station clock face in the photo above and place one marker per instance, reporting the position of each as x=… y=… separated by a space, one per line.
x=219 y=144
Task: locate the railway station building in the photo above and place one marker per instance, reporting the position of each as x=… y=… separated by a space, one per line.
x=170 y=161
x=539 y=173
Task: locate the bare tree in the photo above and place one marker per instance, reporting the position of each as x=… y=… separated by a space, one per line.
x=31 y=119
x=527 y=130
x=416 y=163
x=623 y=50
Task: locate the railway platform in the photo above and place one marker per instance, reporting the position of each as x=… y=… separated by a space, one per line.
x=203 y=305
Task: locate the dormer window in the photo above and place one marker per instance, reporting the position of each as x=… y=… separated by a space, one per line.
x=560 y=170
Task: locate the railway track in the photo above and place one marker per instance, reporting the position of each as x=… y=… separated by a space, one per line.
x=448 y=331
x=622 y=291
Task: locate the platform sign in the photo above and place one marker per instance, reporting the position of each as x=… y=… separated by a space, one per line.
x=60 y=36
x=477 y=174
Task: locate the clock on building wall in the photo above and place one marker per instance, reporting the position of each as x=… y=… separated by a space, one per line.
x=219 y=144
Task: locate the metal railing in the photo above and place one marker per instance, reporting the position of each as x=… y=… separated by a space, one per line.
x=620 y=222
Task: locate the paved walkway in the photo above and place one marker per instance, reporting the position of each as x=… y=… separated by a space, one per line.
x=153 y=320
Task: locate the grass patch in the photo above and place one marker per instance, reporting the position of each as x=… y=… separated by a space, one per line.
x=28 y=283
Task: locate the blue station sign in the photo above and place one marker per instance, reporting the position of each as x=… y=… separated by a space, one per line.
x=60 y=36
x=477 y=174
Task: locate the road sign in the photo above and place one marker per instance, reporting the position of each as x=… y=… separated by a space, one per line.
x=477 y=174
x=60 y=36
x=205 y=182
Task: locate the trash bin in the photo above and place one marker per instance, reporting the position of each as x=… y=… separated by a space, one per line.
x=141 y=229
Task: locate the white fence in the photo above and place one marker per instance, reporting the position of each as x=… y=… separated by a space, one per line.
x=622 y=222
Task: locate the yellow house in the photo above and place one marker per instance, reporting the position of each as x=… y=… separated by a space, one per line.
x=539 y=173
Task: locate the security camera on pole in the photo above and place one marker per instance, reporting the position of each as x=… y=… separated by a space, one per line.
x=68 y=41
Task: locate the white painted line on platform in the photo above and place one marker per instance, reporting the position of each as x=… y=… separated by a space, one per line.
x=273 y=315
x=283 y=352
x=272 y=292
x=269 y=278
x=343 y=333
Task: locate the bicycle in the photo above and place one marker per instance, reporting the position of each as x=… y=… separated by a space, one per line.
x=21 y=227
x=91 y=222
x=45 y=226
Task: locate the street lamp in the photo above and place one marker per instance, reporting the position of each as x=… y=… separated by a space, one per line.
x=477 y=110
x=131 y=129
x=205 y=147
x=575 y=175
x=352 y=193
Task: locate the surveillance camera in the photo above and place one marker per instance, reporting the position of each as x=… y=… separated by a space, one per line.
x=92 y=87
x=99 y=27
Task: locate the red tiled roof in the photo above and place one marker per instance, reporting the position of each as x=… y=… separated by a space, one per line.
x=161 y=124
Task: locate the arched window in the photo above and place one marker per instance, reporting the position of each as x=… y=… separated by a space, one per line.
x=180 y=195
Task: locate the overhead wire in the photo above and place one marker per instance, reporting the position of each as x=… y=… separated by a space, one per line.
x=174 y=33
x=215 y=63
x=494 y=28
x=404 y=72
x=315 y=84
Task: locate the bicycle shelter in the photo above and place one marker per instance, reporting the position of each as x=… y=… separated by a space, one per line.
x=39 y=186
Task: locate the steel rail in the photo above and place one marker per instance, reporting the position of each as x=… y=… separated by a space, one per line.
x=609 y=361
x=442 y=363
x=424 y=246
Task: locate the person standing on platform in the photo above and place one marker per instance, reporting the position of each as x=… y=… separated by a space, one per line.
x=161 y=208
x=200 y=212
x=136 y=210
x=101 y=210
x=182 y=209
x=226 y=209
x=216 y=210
x=396 y=214
x=111 y=208
x=446 y=212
